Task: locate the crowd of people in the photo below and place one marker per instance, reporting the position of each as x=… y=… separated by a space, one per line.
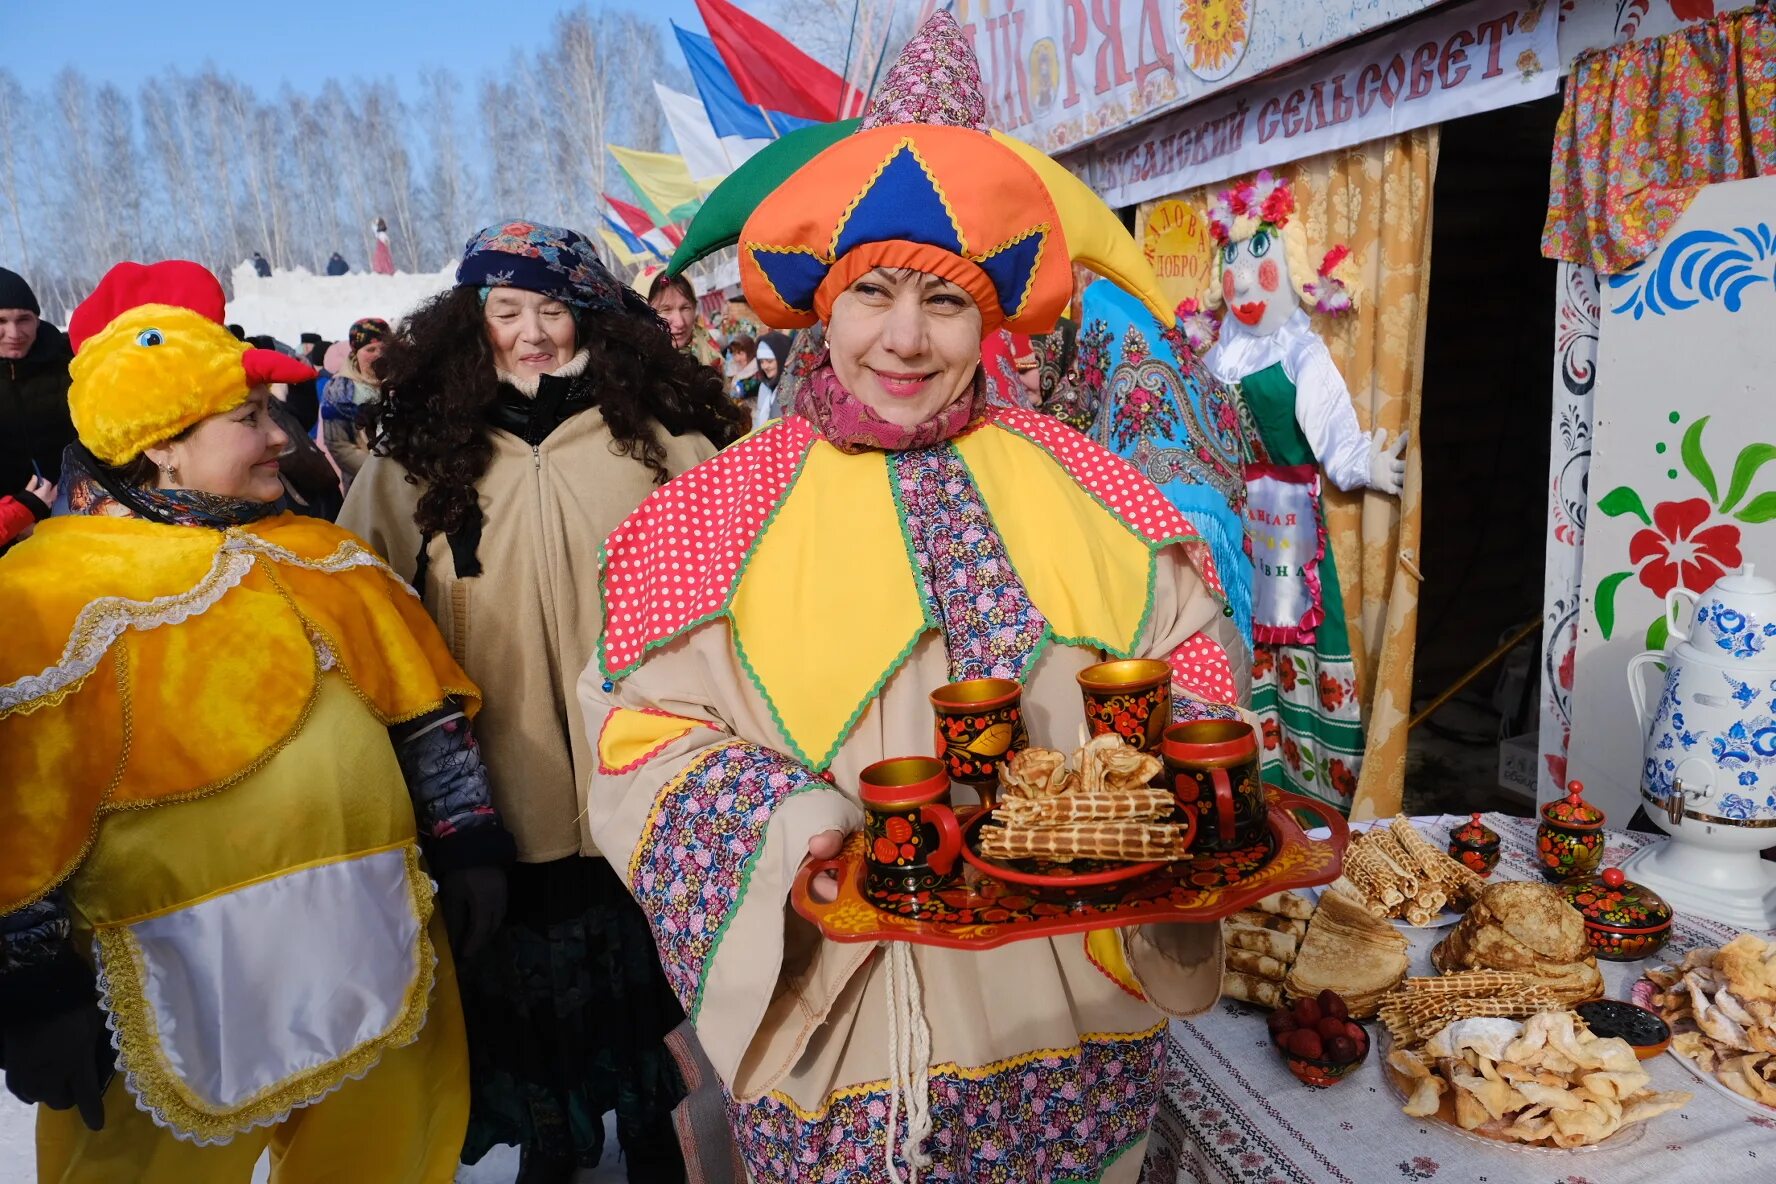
x=409 y=741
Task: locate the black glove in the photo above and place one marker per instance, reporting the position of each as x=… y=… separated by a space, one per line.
x=63 y=1060
x=473 y=901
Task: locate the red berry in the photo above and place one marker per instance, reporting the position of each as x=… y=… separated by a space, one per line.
x=1331 y=1003
x=1341 y=1050
x=1304 y=1042
x=1280 y=1022
x=1307 y=1012
x=1355 y=1031
x=1329 y=1028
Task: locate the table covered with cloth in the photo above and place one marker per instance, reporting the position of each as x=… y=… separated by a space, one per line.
x=1231 y=1113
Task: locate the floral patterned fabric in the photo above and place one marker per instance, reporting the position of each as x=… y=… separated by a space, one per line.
x=935 y=80
x=552 y=260
x=1142 y=392
x=1649 y=123
x=690 y=870
x=988 y=621
x=1055 y=1115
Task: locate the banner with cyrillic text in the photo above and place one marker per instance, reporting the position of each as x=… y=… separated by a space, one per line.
x=1457 y=61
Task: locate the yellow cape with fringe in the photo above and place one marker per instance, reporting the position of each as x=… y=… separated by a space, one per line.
x=148 y=664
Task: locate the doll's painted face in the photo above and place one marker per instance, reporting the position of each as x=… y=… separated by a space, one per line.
x=1256 y=284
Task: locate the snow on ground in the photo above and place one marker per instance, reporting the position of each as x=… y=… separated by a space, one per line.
x=500 y=1166
x=291 y=303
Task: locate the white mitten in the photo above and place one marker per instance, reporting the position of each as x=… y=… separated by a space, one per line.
x=1387 y=467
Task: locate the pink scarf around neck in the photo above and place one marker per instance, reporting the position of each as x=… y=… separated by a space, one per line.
x=850 y=425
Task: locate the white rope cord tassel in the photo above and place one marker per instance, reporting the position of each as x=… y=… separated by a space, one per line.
x=909 y=1056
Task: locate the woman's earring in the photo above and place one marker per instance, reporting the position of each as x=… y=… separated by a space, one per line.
x=169 y=474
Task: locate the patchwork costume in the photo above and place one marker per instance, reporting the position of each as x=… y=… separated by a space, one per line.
x=776 y=618
x=225 y=737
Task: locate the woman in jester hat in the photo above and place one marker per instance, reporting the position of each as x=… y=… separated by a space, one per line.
x=1305 y=690
x=776 y=618
x=235 y=752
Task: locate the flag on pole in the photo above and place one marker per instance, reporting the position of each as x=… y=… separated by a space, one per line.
x=707 y=155
x=622 y=248
x=637 y=229
x=771 y=72
x=728 y=111
x=663 y=182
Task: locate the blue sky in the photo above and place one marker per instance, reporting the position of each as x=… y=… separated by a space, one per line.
x=301 y=42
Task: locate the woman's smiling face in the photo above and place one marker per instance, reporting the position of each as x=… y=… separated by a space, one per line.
x=905 y=342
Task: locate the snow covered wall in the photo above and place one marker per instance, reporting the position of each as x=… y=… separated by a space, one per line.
x=291 y=303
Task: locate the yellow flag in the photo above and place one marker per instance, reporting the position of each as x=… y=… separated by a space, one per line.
x=663 y=182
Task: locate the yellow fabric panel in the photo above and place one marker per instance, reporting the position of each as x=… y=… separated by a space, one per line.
x=627 y=737
x=210 y=696
x=1089 y=574
x=828 y=605
x=334 y=791
x=217 y=678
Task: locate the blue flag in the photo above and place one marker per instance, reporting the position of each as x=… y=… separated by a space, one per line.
x=729 y=112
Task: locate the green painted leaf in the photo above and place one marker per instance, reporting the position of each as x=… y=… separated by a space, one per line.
x=1658 y=633
x=1623 y=500
x=1761 y=508
x=1606 y=601
x=1752 y=458
x=1695 y=462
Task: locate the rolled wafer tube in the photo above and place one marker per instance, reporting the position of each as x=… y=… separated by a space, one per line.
x=1475 y=984
x=1125 y=841
x=1105 y=807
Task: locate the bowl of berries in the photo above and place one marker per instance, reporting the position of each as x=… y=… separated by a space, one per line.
x=1318 y=1039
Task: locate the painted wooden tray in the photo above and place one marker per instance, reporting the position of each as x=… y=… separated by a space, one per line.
x=979 y=912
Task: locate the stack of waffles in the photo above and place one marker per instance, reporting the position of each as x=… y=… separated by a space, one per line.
x=1099 y=805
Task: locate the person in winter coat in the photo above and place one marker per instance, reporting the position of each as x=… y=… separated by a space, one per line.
x=773 y=351
x=351 y=393
x=34 y=423
x=524 y=413
x=337 y=265
x=261 y=266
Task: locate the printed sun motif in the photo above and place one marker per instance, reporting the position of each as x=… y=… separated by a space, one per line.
x=1214 y=32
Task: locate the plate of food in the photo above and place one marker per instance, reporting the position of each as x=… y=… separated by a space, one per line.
x=1073 y=846
x=1544 y=1085
x=1061 y=830
x=1721 y=1006
x=1403 y=877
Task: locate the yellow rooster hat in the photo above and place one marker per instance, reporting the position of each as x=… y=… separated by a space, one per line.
x=152 y=358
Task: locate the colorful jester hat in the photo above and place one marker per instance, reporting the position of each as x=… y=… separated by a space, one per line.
x=1266 y=203
x=152 y=358
x=922 y=183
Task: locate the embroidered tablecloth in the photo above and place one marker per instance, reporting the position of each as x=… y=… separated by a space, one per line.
x=1233 y=1114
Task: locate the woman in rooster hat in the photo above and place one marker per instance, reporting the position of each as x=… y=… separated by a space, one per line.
x=776 y=618
x=235 y=752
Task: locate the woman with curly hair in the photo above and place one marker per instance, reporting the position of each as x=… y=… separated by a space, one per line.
x=524 y=413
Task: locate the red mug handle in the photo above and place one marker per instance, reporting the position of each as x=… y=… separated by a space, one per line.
x=1223 y=802
x=943 y=857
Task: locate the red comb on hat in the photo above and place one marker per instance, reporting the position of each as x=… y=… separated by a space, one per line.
x=181 y=284
x=177 y=282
